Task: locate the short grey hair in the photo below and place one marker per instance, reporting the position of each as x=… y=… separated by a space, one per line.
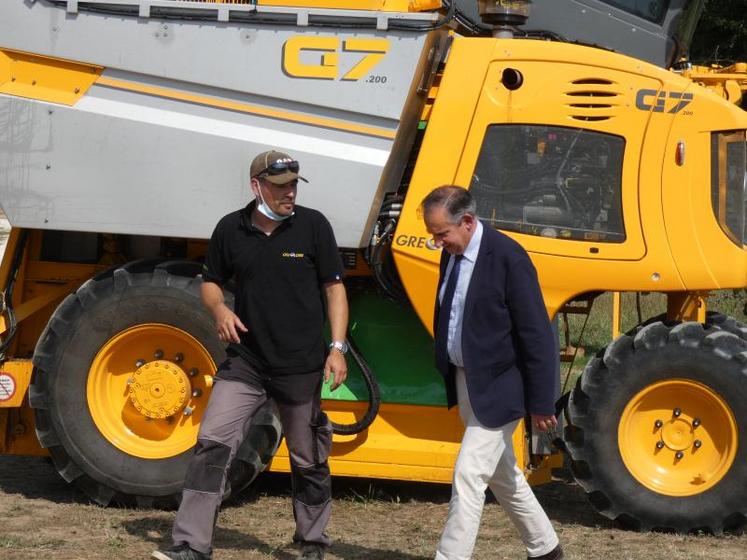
x=457 y=201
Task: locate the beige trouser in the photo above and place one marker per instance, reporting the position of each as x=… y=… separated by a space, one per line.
x=486 y=458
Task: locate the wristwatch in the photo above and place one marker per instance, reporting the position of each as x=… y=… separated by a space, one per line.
x=340 y=345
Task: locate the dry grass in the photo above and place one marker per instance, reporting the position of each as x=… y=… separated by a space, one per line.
x=594 y=332
x=45 y=518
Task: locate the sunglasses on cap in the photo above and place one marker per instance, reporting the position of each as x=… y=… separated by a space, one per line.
x=280 y=167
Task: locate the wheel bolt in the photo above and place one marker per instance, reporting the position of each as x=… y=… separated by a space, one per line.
x=676 y=412
x=696 y=422
x=658 y=424
x=197 y=393
x=659 y=444
x=697 y=443
x=139 y=363
x=193 y=371
x=188 y=410
x=679 y=455
x=158 y=354
x=178 y=357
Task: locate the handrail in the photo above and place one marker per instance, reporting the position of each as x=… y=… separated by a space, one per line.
x=228 y=10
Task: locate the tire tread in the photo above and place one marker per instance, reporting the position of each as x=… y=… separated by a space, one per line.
x=603 y=378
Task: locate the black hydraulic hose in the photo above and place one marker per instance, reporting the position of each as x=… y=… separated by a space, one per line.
x=374 y=395
x=391 y=201
x=477 y=28
x=561 y=405
x=385 y=281
x=542 y=34
x=382 y=265
x=451 y=10
x=8 y=292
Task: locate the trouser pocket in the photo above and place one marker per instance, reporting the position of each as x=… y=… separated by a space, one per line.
x=321 y=429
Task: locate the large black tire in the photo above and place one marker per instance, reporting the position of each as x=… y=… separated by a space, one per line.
x=726 y=323
x=140 y=293
x=714 y=319
x=260 y=443
x=653 y=358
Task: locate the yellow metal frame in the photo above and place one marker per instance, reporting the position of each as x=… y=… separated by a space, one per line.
x=17 y=435
x=730 y=82
x=40 y=287
x=10 y=250
x=686 y=307
x=409 y=442
x=681 y=306
x=616 y=314
x=45 y=78
x=29 y=307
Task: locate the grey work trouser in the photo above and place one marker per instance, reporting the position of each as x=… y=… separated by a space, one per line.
x=308 y=435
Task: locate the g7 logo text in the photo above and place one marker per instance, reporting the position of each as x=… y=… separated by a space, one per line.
x=656 y=101
x=328 y=68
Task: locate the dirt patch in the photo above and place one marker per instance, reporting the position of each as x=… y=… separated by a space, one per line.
x=43 y=517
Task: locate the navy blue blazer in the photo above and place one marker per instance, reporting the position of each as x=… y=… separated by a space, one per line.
x=509 y=349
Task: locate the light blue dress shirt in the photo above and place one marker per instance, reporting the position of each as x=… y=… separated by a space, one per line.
x=454 y=336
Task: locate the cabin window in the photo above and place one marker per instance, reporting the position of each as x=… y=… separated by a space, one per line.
x=556 y=182
x=652 y=10
x=729 y=183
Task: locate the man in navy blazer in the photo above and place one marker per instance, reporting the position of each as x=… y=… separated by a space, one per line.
x=496 y=352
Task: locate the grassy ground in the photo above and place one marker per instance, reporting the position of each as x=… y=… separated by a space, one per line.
x=372 y=520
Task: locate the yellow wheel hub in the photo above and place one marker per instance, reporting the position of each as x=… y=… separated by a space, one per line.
x=148 y=388
x=159 y=389
x=678 y=437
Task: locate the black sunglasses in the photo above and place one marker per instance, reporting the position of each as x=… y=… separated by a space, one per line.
x=280 y=167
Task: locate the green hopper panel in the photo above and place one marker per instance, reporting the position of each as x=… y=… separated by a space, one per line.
x=397 y=349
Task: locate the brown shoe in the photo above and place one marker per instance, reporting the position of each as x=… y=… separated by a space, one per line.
x=555 y=554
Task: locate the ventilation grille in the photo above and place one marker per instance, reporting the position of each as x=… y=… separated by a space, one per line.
x=593 y=99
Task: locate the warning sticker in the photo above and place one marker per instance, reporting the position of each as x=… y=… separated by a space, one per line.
x=7 y=386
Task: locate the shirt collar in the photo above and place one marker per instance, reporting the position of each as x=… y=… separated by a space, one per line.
x=473 y=247
x=245 y=221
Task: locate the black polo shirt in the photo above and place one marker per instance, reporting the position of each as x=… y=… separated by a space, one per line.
x=279 y=278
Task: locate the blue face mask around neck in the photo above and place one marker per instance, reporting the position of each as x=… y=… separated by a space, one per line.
x=268 y=212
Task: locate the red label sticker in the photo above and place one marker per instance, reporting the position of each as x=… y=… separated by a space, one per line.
x=7 y=387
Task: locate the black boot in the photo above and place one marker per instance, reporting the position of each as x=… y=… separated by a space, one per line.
x=555 y=554
x=181 y=552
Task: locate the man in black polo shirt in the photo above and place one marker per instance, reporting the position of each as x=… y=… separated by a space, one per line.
x=286 y=264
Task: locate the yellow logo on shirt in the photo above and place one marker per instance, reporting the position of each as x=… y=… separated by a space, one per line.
x=293 y=255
